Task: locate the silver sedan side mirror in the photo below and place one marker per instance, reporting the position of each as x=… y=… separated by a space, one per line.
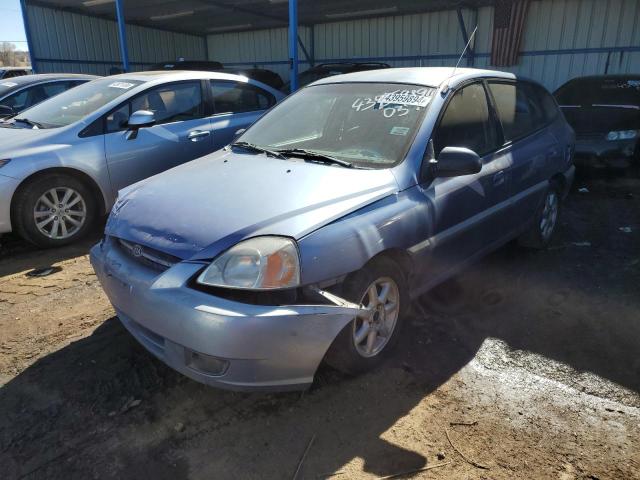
x=141 y=119
x=138 y=120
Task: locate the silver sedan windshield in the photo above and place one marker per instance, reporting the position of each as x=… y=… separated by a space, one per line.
x=370 y=125
x=77 y=103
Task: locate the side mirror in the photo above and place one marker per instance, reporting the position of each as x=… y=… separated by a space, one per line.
x=138 y=120
x=457 y=161
x=141 y=119
x=6 y=111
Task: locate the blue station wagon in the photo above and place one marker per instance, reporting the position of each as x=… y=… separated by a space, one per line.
x=306 y=239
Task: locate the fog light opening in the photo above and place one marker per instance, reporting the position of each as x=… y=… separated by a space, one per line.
x=206 y=364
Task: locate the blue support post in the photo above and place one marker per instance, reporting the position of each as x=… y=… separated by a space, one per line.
x=293 y=44
x=27 y=32
x=122 y=35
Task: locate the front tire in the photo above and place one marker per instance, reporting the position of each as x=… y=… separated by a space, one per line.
x=544 y=223
x=360 y=346
x=54 y=210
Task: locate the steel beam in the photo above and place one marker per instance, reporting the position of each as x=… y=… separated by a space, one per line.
x=293 y=44
x=122 y=35
x=27 y=32
x=465 y=38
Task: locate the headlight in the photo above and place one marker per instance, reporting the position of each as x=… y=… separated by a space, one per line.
x=622 y=135
x=4 y=161
x=260 y=263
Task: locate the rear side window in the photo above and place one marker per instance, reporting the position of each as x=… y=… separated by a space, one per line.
x=236 y=97
x=467 y=122
x=519 y=109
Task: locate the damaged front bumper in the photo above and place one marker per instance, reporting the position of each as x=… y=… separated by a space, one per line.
x=214 y=340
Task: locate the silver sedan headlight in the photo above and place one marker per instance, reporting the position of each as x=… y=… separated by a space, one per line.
x=260 y=263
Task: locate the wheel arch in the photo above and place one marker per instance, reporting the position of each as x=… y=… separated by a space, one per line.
x=78 y=174
x=399 y=256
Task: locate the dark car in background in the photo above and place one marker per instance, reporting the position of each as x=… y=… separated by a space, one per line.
x=604 y=111
x=11 y=72
x=196 y=65
x=23 y=92
x=330 y=69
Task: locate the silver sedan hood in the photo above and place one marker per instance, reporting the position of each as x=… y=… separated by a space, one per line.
x=197 y=210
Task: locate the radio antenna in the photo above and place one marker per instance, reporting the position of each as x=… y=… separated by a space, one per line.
x=471 y=37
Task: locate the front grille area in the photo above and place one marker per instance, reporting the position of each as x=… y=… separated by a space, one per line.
x=150 y=257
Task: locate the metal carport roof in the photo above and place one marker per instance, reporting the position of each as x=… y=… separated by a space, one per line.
x=201 y=17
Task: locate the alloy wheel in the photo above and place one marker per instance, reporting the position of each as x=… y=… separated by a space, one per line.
x=549 y=215
x=371 y=334
x=60 y=213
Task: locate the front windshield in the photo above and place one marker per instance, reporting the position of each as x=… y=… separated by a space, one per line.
x=77 y=103
x=370 y=125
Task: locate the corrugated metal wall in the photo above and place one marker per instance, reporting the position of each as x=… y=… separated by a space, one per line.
x=68 y=42
x=562 y=39
x=264 y=48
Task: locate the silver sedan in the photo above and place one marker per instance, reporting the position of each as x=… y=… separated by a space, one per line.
x=63 y=161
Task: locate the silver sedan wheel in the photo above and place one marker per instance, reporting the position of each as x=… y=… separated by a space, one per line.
x=60 y=213
x=371 y=334
x=549 y=215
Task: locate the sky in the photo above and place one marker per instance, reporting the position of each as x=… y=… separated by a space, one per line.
x=11 y=26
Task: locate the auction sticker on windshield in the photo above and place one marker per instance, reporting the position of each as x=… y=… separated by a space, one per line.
x=417 y=98
x=123 y=85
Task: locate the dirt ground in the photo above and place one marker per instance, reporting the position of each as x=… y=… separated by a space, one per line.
x=527 y=367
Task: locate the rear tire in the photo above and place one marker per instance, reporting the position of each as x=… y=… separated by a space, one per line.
x=362 y=344
x=54 y=210
x=544 y=222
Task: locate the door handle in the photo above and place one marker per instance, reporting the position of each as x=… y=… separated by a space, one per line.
x=194 y=135
x=498 y=178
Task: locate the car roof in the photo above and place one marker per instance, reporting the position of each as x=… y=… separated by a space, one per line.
x=4 y=69
x=428 y=76
x=176 y=75
x=28 y=79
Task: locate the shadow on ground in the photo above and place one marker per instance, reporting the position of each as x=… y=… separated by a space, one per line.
x=102 y=407
x=16 y=255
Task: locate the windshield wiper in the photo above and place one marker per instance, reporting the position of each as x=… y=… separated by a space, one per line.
x=29 y=122
x=256 y=148
x=316 y=156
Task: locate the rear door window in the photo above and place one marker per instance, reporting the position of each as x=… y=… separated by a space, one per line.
x=237 y=97
x=467 y=122
x=519 y=109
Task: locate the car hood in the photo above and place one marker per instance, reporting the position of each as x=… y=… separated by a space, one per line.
x=199 y=209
